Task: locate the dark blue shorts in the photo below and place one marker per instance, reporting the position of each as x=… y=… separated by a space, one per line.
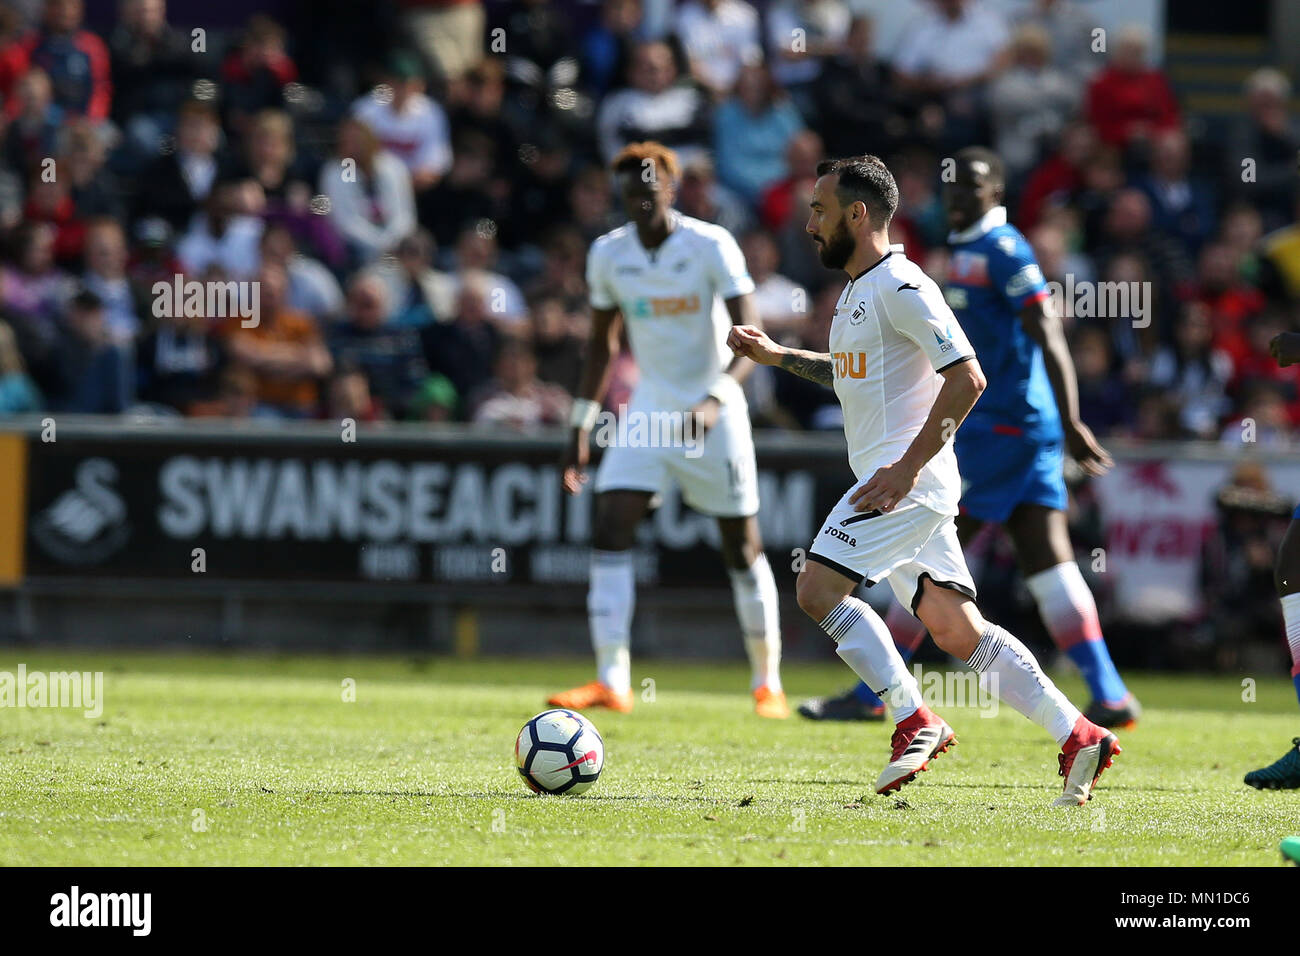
x=1001 y=468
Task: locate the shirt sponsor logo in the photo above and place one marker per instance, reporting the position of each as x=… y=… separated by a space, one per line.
x=657 y=307
x=850 y=364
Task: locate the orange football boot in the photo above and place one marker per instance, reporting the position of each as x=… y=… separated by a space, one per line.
x=592 y=695
x=770 y=703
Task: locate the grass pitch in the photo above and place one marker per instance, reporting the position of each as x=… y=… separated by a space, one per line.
x=253 y=760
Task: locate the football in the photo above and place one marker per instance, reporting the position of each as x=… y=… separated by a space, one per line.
x=559 y=751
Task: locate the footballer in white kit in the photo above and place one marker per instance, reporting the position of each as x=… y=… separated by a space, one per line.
x=906 y=377
x=677 y=285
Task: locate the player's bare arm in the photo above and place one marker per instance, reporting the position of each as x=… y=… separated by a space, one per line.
x=1285 y=348
x=601 y=349
x=755 y=344
x=1043 y=325
x=963 y=384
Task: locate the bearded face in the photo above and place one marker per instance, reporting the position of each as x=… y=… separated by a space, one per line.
x=835 y=250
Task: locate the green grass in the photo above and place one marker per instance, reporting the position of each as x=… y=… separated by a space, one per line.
x=419 y=771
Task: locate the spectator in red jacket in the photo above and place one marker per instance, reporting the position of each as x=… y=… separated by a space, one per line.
x=13 y=54
x=255 y=73
x=1129 y=100
x=76 y=60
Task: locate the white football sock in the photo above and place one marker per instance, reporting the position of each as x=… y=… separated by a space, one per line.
x=1291 y=615
x=754 y=591
x=610 y=599
x=1010 y=673
x=863 y=642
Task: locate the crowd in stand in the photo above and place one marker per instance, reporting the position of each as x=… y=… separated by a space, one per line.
x=413 y=185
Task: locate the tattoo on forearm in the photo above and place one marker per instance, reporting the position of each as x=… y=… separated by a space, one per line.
x=815 y=368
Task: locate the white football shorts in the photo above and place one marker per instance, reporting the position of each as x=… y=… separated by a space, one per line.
x=900 y=546
x=716 y=477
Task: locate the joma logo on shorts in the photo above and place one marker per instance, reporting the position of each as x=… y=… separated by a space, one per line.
x=850 y=364
x=837 y=533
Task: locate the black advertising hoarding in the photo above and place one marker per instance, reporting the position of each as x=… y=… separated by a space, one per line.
x=396 y=506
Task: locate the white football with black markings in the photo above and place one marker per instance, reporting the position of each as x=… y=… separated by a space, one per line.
x=560 y=752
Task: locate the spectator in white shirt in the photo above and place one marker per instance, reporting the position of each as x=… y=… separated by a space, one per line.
x=222 y=236
x=371 y=202
x=1030 y=102
x=408 y=123
x=954 y=45
x=656 y=106
x=719 y=37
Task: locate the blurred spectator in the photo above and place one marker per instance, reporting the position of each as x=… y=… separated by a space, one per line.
x=1058 y=178
x=96 y=374
x=782 y=303
x=179 y=362
x=1237 y=560
x=76 y=60
x=1070 y=29
x=93 y=189
x=470 y=192
x=857 y=108
x=18 y=392
x=312 y=287
x=801 y=34
x=408 y=123
x=515 y=397
x=369 y=191
x=476 y=255
x=1182 y=207
x=1194 y=373
x=1127 y=228
x=222 y=236
x=1030 y=102
x=780 y=203
x=948 y=55
x=105 y=277
x=1229 y=300
x=390 y=355
x=480 y=108
x=563 y=273
x=1268 y=137
x=541 y=33
x=13 y=54
x=270 y=159
x=153 y=70
x=36 y=119
x=591 y=206
x=539 y=197
x=559 y=342
x=719 y=37
x=284 y=349
x=448 y=32
x=462 y=349
x=1263 y=418
x=752 y=131
x=436 y=401
x=607 y=47
x=33 y=293
x=1129 y=100
x=1279 y=262
x=349 y=397
x=419 y=293
x=812 y=405
x=181 y=180
x=1105 y=400
x=701 y=196
x=654 y=106
x=236 y=395
x=254 y=74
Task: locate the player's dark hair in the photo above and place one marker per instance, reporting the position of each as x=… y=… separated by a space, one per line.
x=982 y=154
x=864 y=179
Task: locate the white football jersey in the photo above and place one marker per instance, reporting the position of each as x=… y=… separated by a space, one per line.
x=672 y=303
x=891 y=336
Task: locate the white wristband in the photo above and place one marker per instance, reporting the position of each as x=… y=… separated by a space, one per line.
x=584 y=413
x=724 y=388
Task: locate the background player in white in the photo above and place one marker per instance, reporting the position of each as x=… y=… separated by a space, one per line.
x=906 y=377
x=678 y=284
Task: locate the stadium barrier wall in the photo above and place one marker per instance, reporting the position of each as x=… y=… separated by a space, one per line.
x=408 y=536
